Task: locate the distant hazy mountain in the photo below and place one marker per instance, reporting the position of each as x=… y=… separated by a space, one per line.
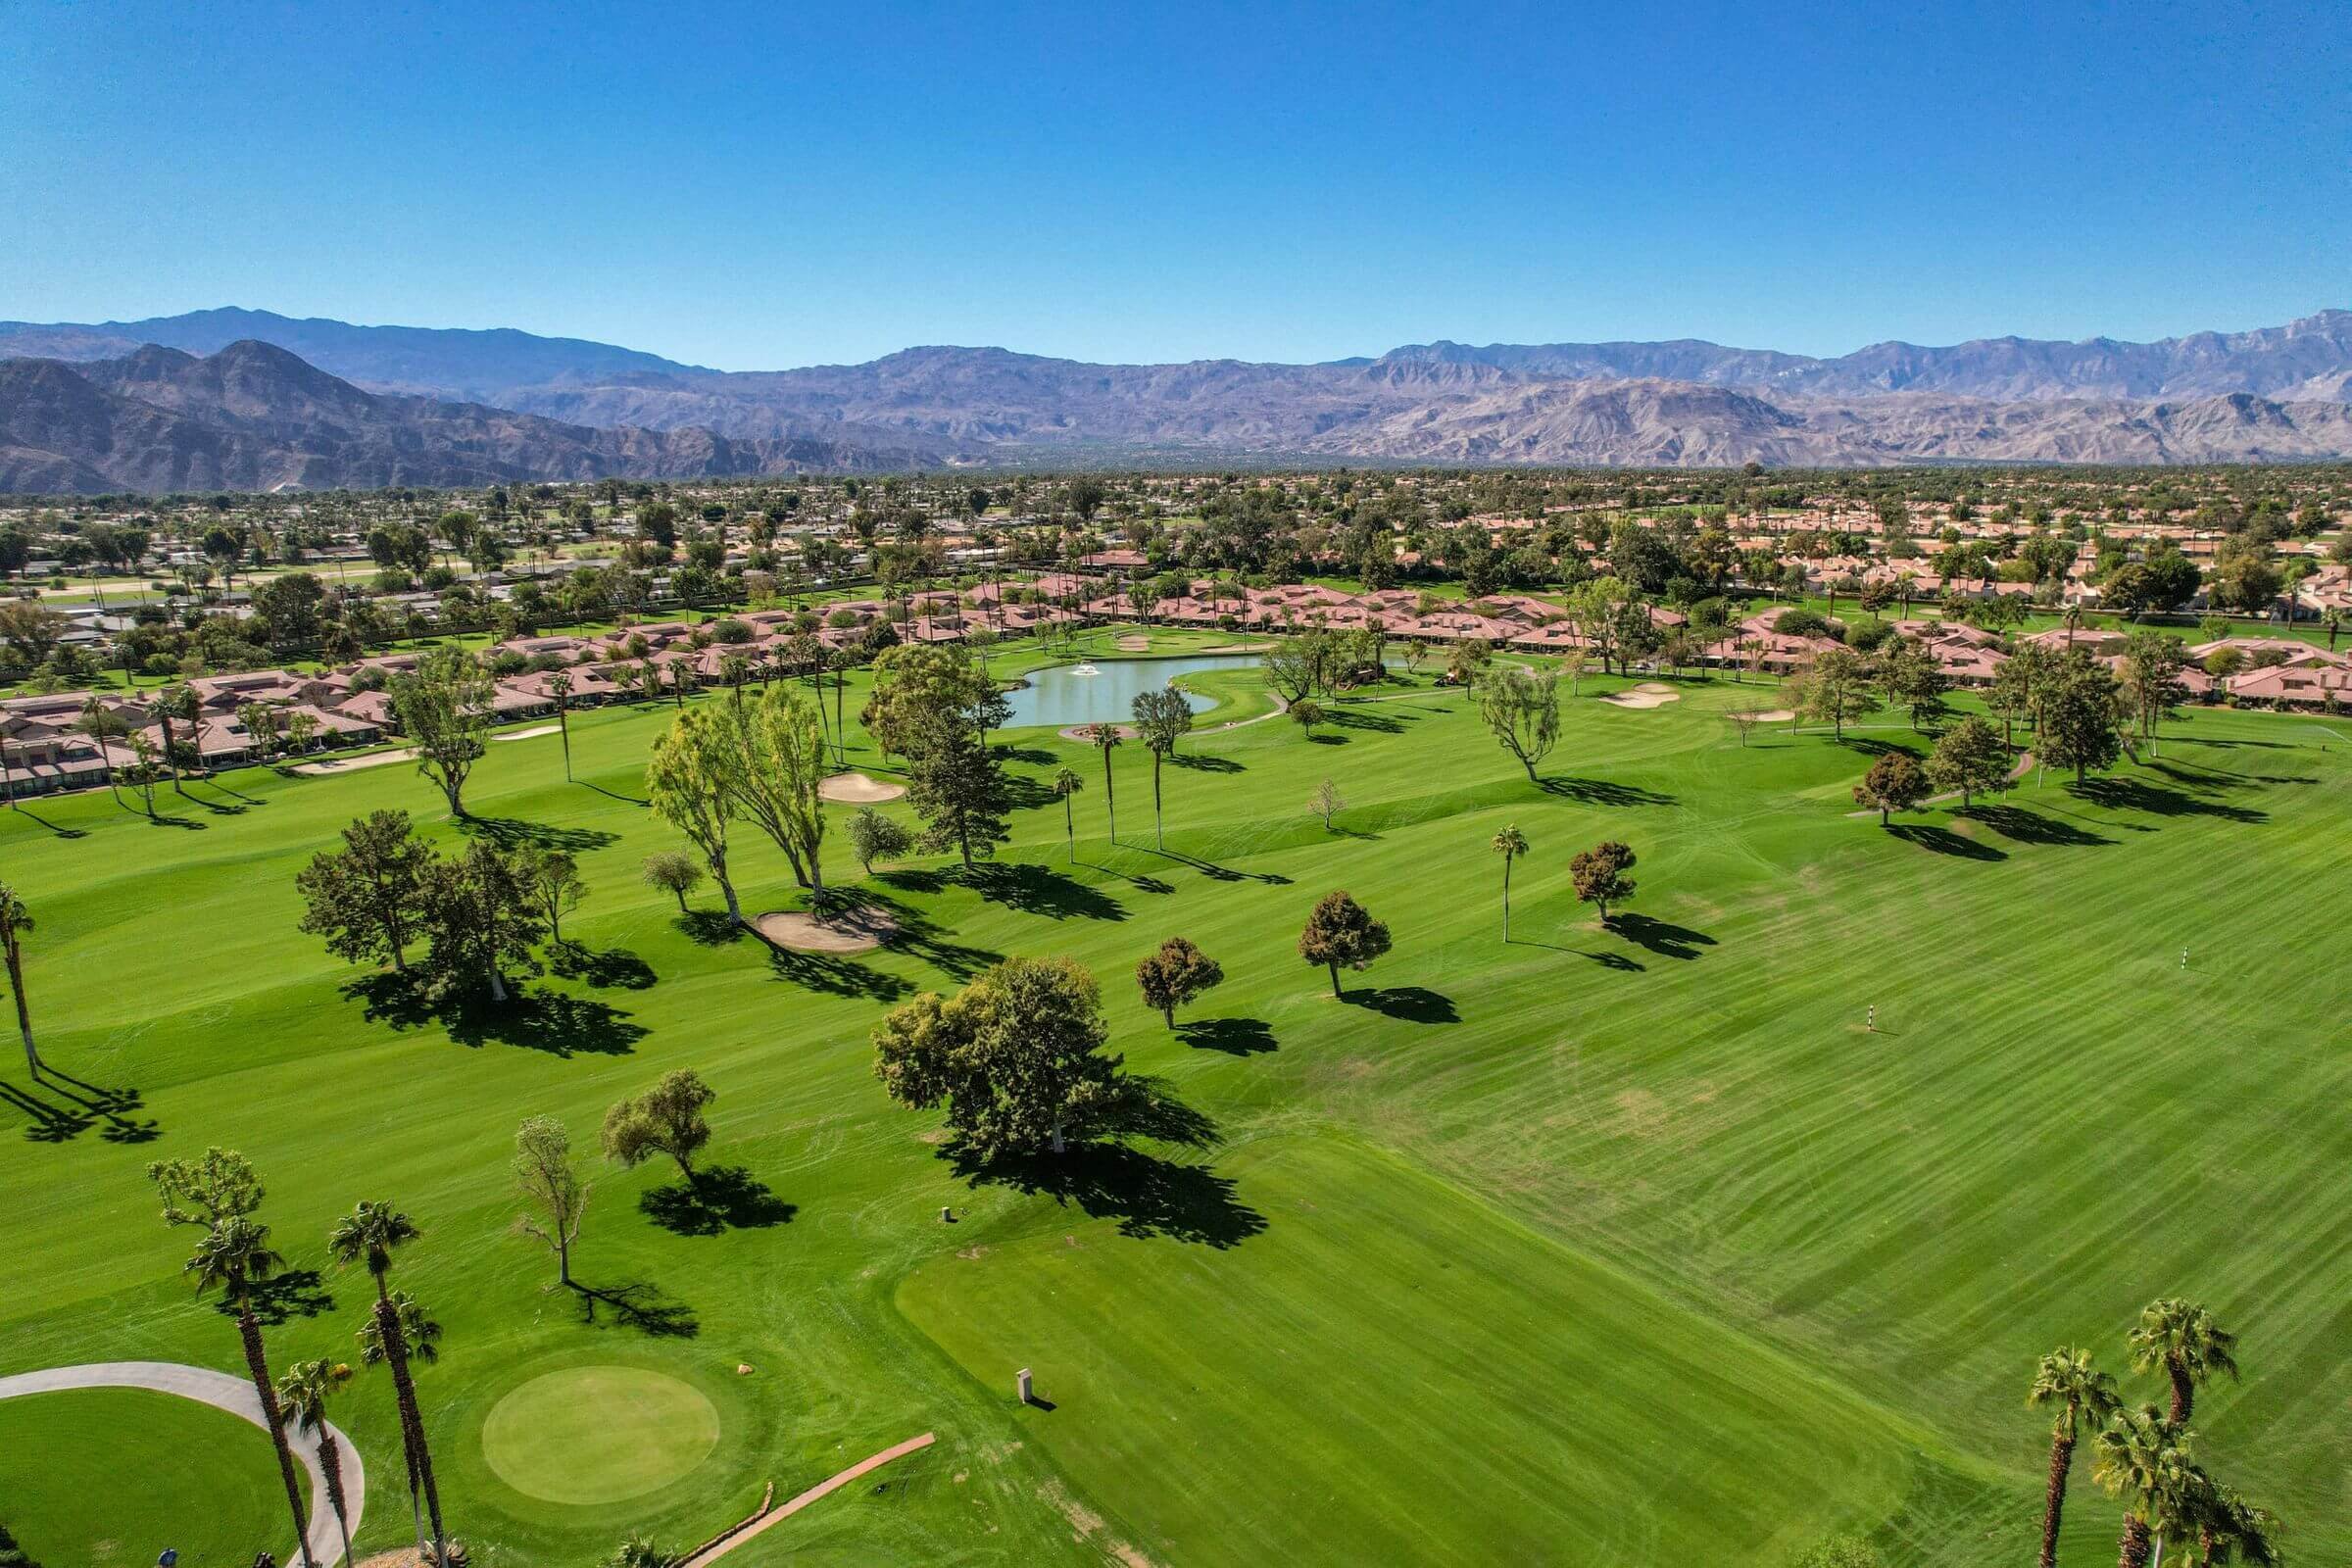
x=254 y=416
x=2275 y=394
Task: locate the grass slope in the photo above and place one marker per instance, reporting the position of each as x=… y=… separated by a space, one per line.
x=1728 y=1272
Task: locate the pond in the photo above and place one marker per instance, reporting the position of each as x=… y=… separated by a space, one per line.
x=1061 y=696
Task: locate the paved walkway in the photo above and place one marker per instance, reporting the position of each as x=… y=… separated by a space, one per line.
x=223 y=1393
x=821 y=1488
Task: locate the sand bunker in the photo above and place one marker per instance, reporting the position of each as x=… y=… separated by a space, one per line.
x=1135 y=645
x=1643 y=697
x=347 y=764
x=1768 y=715
x=1083 y=735
x=855 y=789
x=1240 y=648
x=1659 y=687
x=853 y=930
x=526 y=734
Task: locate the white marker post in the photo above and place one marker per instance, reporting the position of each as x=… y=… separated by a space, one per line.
x=1021 y=1384
x=1871 y=1022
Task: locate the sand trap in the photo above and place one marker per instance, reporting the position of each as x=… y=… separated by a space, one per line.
x=1657 y=686
x=1768 y=715
x=1637 y=698
x=1135 y=645
x=1240 y=648
x=855 y=930
x=526 y=734
x=1083 y=736
x=855 y=789
x=348 y=765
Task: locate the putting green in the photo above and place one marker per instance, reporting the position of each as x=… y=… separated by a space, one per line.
x=598 y=1434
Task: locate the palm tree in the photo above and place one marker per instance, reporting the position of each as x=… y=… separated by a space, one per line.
x=1510 y=843
x=419 y=1338
x=558 y=686
x=1067 y=783
x=15 y=921
x=2230 y=1528
x=2183 y=1338
x=303 y=1390
x=1104 y=737
x=2145 y=1461
x=2066 y=1379
x=368 y=1235
x=235 y=1256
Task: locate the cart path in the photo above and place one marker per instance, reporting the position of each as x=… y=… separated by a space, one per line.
x=222 y=1392
x=821 y=1488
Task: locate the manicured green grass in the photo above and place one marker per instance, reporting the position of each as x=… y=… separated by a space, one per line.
x=1726 y=1271
x=113 y=1476
x=599 y=1434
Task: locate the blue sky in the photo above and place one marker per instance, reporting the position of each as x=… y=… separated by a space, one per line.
x=769 y=186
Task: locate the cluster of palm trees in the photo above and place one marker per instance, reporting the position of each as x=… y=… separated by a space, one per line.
x=2145 y=1455
x=218 y=1194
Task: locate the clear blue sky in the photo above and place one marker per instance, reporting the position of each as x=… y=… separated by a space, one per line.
x=771 y=186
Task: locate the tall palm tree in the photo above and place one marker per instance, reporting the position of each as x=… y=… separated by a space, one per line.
x=2182 y=1338
x=234 y=1258
x=1104 y=737
x=368 y=1235
x=1510 y=843
x=1067 y=783
x=419 y=1338
x=2145 y=1461
x=2066 y=1379
x=303 y=1390
x=559 y=685
x=15 y=921
x=2229 y=1529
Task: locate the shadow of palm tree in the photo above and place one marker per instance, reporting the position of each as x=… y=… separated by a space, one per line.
x=283 y=1296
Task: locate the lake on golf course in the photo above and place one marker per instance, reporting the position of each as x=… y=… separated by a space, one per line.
x=1063 y=695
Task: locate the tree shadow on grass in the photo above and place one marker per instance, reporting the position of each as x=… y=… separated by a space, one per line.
x=1407 y=1004
x=642 y=1306
x=612 y=795
x=1666 y=940
x=1030 y=755
x=1328 y=740
x=2022 y=826
x=1602 y=792
x=1623 y=962
x=284 y=1297
x=1943 y=840
x=917 y=933
x=613 y=967
x=1361 y=718
x=535 y=1020
x=1202 y=762
x=1223 y=873
x=1236 y=1037
x=87 y=1106
x=21 y=809
x=2137 y=794
x=721 y=1198
x=512 y=833
x=834 y=974
x=1023 y=887
x=711 y=928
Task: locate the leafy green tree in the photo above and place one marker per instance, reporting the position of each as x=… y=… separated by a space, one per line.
x=2180 y=1339
x=1915 y=682
x=444 y=709
x=1970 y=757
x=367 y=899
x=922 y=689
x=673 y=874
x=1341 y=932
x=1016 y=1058
x=1896 y=782
x=15 y=920
x=2019 y=684
x=2066 y=1379
x=2081 y=716
x=482 y=920
x=1176 y=974
x=2152 y=687
x=1599 y=875
x=218 y=1194
x=876 y=837
x=396 y=1329
x=666 y=1119
x=1306 y=714
x=1067 y=783
x=552 y=881
x=1835 y=690
x=771 y=765
x=685 y=780
x=1522 y=709
x=551 y=1184
x=1510 y=843
x=303 y=1390
x=957 y=785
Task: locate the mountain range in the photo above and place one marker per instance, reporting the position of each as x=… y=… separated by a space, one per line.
x=248 y=399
